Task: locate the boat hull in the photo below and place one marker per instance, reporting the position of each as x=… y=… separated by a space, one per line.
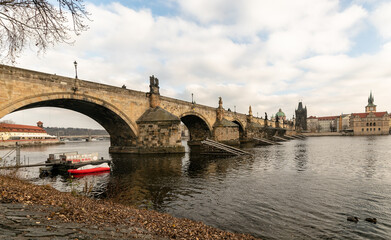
x=91 y=170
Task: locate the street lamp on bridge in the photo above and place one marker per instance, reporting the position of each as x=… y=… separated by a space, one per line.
x=75 y=63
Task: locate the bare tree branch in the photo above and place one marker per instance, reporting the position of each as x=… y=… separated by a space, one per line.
x=37 y=22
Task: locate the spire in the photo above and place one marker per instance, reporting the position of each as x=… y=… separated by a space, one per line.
x=371 y=99
x=371 y=107
x=300 y=106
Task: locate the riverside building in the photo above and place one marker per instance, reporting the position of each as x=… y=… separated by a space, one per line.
x=371 y=122
x=24 y=134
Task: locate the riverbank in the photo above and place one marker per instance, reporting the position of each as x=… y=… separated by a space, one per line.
x=28 y=143
x=27 y=209
x=322 y=134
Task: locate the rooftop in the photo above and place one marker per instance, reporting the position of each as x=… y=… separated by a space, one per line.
x=6 y=127
x=328 y=118
x=364 y=115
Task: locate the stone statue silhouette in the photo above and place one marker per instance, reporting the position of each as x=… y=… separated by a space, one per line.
x=153 y=85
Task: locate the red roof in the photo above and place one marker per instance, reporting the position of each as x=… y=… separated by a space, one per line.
x=328 y=118
x=5 y=127
x=364 y=115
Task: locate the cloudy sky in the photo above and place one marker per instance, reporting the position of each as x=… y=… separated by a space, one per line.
x=267 y=54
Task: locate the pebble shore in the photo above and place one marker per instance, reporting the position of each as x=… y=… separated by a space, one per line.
x=29 y=211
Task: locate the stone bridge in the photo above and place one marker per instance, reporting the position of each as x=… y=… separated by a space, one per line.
x=138 y=122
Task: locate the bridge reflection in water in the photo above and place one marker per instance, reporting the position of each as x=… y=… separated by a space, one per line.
x=156 y=181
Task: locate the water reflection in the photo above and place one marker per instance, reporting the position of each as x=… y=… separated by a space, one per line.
x=266 y=156
x=279 y=157
x=300 y=189
x=211 y=166
x=370 y=157
x=153 y=181
x=301 y=156
x=145 y=181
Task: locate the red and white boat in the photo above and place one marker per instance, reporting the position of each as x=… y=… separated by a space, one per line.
x=74 y=164
x=104 y=167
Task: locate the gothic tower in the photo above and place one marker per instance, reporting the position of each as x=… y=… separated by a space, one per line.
x=301 y=117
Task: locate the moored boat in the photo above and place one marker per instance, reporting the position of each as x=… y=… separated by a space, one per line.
x=74 y=163
x=90 y=169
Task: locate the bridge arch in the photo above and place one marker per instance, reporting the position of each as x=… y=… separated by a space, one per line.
x=241 y=128
x=197 y=125
x=122 y=130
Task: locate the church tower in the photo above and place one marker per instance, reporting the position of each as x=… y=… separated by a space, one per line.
x=370 y=107
x=301 y=117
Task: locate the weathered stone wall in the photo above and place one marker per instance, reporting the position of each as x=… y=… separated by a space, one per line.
x=160 y=137
x=252 y=132
x=21 y=88
x=198 y=131
x=227 y=135
x=269 y=132
x=115 y=108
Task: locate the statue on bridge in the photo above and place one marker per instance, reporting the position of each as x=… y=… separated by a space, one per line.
x=154 y=95
x=220 y=110
x=153 y=85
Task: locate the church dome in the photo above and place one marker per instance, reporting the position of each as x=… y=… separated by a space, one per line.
x=280 y=113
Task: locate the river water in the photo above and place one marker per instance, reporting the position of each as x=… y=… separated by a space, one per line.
x=302 y=189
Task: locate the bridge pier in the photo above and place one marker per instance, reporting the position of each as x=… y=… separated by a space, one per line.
x=137 y=122
x=158 y=129
x=226 y=132
x=159 y=132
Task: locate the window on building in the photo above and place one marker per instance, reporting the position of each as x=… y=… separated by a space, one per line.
x=362 y=130
x=379 y=129
x=374 y=124
x=367 y=124
x=370 y=130
x=367 y=129
x=370 y=124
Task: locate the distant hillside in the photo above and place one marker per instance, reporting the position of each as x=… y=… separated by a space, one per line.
x=74 y=131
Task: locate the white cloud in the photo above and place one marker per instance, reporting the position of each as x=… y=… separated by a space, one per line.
x=268 y=54
x=381 y=18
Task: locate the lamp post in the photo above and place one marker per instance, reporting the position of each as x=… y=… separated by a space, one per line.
x=75 y=63
x=192 y=98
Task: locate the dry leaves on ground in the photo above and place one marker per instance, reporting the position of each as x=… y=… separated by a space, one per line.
x=85 y=210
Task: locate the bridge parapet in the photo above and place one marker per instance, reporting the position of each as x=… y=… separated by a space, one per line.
x=122 y=111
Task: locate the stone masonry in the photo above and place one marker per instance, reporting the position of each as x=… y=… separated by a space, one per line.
x=119 y=110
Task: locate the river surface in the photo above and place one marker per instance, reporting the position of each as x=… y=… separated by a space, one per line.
x=302 y=189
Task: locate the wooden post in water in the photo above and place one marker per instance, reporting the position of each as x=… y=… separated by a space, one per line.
x=17 y=154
